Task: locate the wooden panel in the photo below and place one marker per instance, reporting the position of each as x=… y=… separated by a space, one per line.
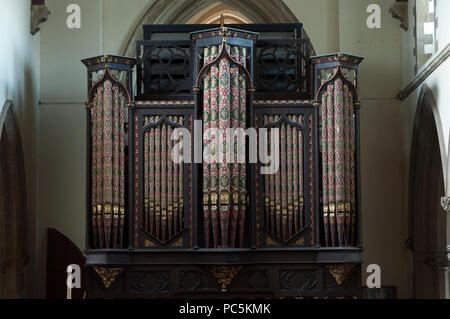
x=62 y=252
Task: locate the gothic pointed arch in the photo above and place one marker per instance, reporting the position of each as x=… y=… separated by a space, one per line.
x=427 y=220
x=13 y=242
x=181 y=12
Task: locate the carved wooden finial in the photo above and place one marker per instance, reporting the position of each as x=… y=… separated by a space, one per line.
x=222 y=20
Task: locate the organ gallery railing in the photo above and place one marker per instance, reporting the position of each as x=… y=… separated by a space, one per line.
x=284 y=190
x=282 y=65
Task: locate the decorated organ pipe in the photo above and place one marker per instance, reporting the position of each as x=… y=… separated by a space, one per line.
x=224 y=76
x=336 y=98
x=108 y=84
x=224 y=183
x=283 y=190
x=163 y=178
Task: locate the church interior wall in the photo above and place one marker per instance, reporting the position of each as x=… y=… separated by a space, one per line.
x=19 y=82
x=107 y=24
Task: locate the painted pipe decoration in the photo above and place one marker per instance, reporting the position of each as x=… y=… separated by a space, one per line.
x=241 y=116
x=324 y=140
x=116 y=164
x=338 y=165
x=163 y=179
x=283 y=191
x=108 y=165
x=95 y=166
x=121 y=169
x=224 y=183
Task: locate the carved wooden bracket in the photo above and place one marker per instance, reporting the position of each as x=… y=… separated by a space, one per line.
x=108 y=274
x=399 y=11
x=225 y=274
x=271 y=242
x=149 y=243
x=437 y=260
x=178 y=243
x=340 y=272
x=445 y=203
x=39 y=14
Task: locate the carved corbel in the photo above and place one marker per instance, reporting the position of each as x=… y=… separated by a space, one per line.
x=399 y=11
x=445 y=203
x=39 y=14
x=224 y=274
x=108 y=274
x=340 y=272
x=437 y=260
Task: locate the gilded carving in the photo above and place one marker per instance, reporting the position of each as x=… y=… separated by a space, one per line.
x=161 y=102
x=149 y=243
x=224 y=198
x=445 y=203
x=340 y=272
x=108 y=274
x=225 y=274
x=300 y=241
x=109 y=59
x=270 y=242
x=298 y=280
x=282 y=102
x=178 y=243
x=214 y=198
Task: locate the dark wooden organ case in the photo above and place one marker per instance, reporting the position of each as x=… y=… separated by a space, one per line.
x=145 y=216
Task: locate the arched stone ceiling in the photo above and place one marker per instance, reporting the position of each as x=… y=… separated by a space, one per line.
x=181 y=12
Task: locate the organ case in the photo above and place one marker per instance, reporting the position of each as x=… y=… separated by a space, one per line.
x=165 y=225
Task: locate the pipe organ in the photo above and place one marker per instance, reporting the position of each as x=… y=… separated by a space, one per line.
x=232 y=171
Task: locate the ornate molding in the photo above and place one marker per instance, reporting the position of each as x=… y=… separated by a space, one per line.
x=178 y=243
x=340 y=272
x=445 y=203
x=271 y=242
x=109 y=58
x=299 y=280
x=39 y=14
x=149 y=243
x=196 y=280
x=399 y=11
x=337 y=57
x=437 y=260
x=165 y=102
x=425 y=72
x=149 y=281
x=225 y=274
x=108 y=274
x=300 y=241
x=267 y=102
